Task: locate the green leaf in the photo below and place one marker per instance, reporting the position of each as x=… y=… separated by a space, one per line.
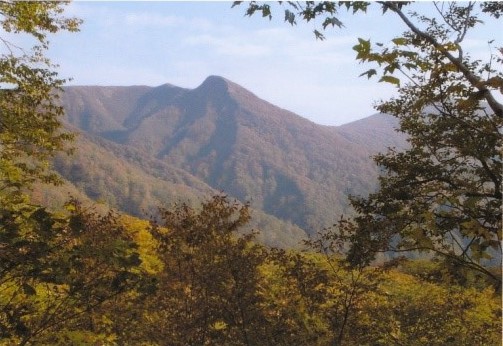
x=319 y=35
x=290 y=17
x=390 y=79
x=266 y=11
x=399 y=41
x=369 y=73
x=332 y=21
x=363 y=49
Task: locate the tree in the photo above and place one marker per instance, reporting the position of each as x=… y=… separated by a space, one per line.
x=350 y=284
x=209 y=291
x=443 y=195
x=405 y=310
x=30 y=130
x=58 y=271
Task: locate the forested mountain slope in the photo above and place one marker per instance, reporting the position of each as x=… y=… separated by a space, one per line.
x=232 y=141
x=129 y=180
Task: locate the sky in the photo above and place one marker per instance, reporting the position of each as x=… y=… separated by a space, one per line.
x=182 y=43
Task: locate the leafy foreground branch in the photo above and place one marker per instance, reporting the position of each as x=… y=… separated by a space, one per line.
x=442 y=197
x=30 y=128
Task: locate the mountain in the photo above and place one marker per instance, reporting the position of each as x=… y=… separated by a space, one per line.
x=221 y=137
x=377 y=131
x=127 y=179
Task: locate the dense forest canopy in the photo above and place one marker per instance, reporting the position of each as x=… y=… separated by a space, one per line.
x=189 y=277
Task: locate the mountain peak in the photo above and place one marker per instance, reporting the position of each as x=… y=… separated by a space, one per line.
x=216 y=87
x=215 y=82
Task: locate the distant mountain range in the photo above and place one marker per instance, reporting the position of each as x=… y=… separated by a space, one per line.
x=141 y=147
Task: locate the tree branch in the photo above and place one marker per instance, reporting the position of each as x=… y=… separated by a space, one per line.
x=474 y=80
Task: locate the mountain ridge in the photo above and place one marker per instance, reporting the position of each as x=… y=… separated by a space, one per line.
x=230 y=139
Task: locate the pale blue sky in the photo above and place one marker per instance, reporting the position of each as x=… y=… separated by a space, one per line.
x=181 y=43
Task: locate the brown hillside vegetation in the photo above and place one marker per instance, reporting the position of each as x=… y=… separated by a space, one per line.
x=226 y=137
